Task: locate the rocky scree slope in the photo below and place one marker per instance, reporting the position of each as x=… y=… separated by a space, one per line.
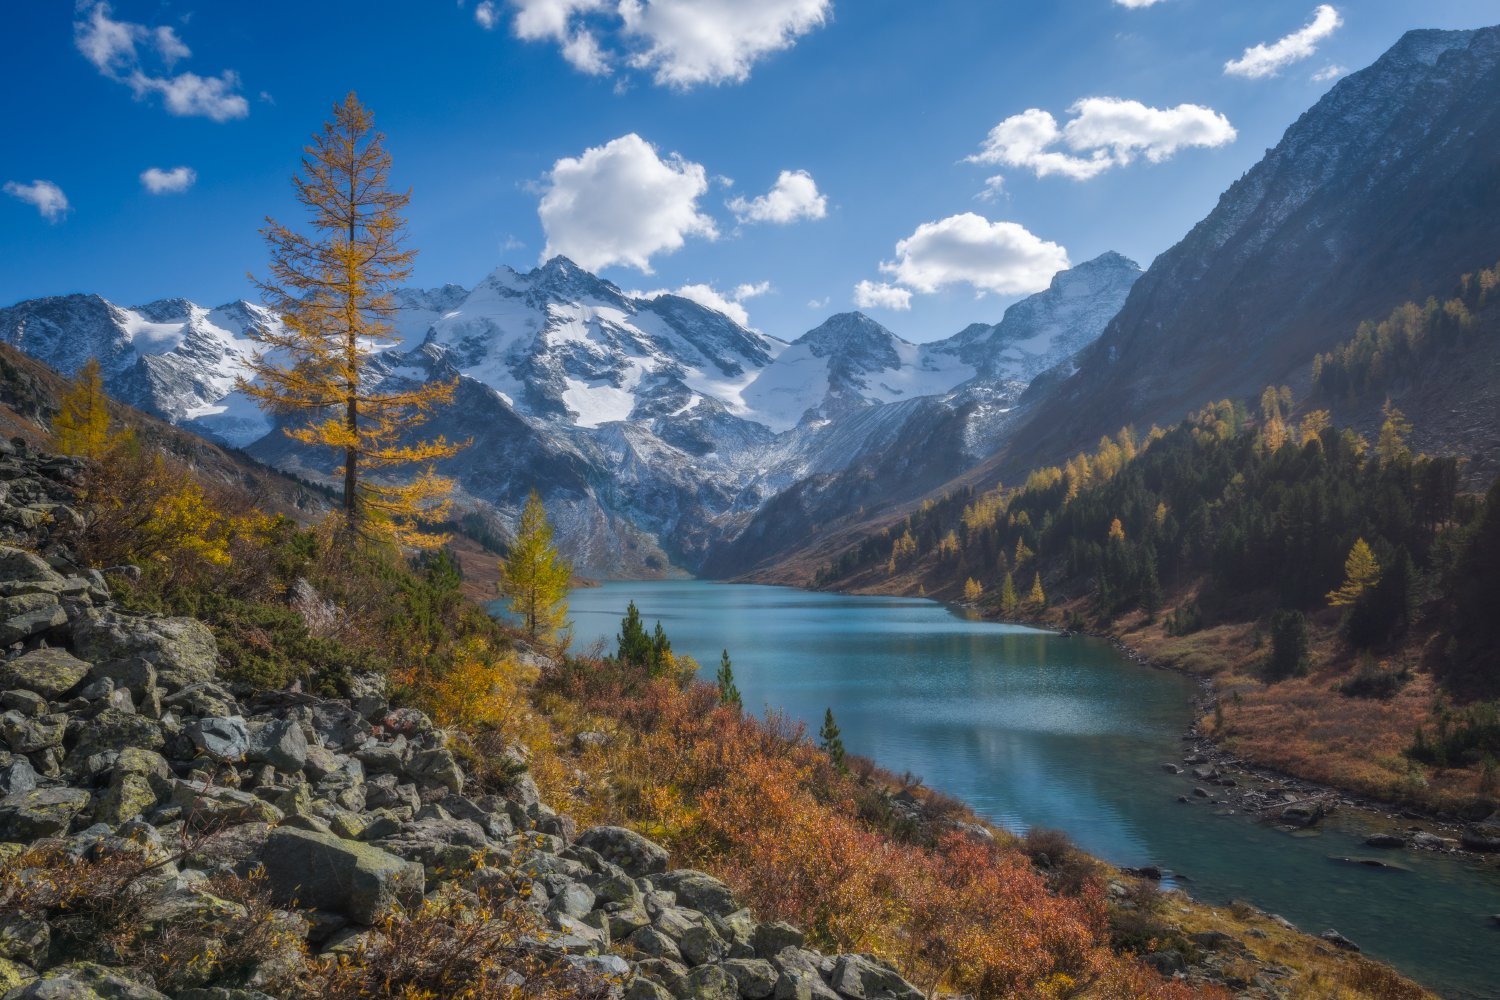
x=120 y=737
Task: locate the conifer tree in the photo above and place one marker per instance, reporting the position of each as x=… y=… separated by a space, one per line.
x=331 y=293
x=973 y=591
x=661 y=661
x=1037 y=597
x=1393 y=432
x=534 y=578
x=1361 y=572
x=81 y=426
x=1008 y=599
x=830 y=740
x=729 y=694
x=634 y=644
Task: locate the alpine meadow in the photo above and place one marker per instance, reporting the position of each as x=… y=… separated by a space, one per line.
x=549 y=573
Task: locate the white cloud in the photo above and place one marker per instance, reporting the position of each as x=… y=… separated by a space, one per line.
x=47 y=197
x=820 y=303
x=621 y=203
x=873 y=295
x=115 y=48
x=485 y=15
x=689 y=42
x=1137 y=4
x=174 y=181
x=794 y=197
x=1267 y=60
x=1000 y=257
x=681 y=43
x=1104 y=132
x=1330 y=72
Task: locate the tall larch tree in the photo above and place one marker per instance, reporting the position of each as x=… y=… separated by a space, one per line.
x=534 y=576
x=81 y=426
x=330 y=290
x=1361 y=572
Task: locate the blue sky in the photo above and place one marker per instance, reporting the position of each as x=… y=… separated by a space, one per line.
x=857 y=135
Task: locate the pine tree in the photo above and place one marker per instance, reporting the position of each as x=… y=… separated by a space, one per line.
x=830 y=740
x=1037 y=597
x=534 y=578
x=81 y=426
x=729 y=694
x=1008 y=599
x=662 y=661
x=634 y=644
x=331 y=293
x=1361 y=571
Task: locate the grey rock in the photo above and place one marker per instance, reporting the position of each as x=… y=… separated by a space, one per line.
x=339 y=727
x=26 y=615
x=16 y=775
x=280 y=743
x=42 y=812
x=770 y=939
x=860 y=977
x=632 y=852
x=436 y=767
x=50 y=673
x=325 y=872
x=224 y=739
x=756 y=977
x=23 y=734
x=182 y=649
x=698 y=891
x=24 y=939
x=702 y=945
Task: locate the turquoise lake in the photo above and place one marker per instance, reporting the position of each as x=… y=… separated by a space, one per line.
x=1033 y=729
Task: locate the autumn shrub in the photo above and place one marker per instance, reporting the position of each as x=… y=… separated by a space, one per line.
x=457 y=946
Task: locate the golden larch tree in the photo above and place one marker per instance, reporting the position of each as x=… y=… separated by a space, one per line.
x=81 y=426
x=1038 y=596
x=330 y=291
x=1361 y=572
x=534 y=577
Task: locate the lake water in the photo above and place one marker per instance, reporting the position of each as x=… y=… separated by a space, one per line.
x=1032 y=729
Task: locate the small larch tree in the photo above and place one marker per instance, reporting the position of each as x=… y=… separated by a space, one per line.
x=973 y=591
x=1009 y=601
x=1038 y=596
x=330 y=293
x=534 y=577
x=1361 y=572
x=81 y=426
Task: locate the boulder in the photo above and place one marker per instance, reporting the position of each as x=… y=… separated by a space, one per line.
x=225 y=739
x=698 y=891
x=20 y=565
x=24 y=734
x=860 y=977
x=436 y=768
x=702 y=945
x=50 y=673
x=769 y=939
x=42 y=812
x=26 y=615
x=1481 y=837
x=756 y=977
x=638 y=856
x=339 y=727
x=182 y=650
x=709 y=982
x=324 y=872
x=1338 y=940
x=16 y=775
x=113 y=729
x=1385 y=840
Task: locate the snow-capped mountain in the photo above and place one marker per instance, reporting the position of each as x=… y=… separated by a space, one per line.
x=655 y=427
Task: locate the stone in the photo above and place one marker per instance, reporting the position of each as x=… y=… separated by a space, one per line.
x=13 y=975
x=136 y=674
x=1338 y=940
x=24 y=939
x=100 y=981
x=210 y=807
x=326 y=872
x=641 y=988
x=653 y=943
x=575 y=899
x=756 y=977
x=860 y=977
x=339 y=727
x=26 y=615
x=128 y=796
x=50 y=673
x=702 y=945
x=612 y=966
x=1483 y=837
x=1386 y=840
x=632 y=852
x=42 y=812
x=25 y=702
x=709 y=982
x=625 y=922
x=20 y=565
x=182 y=650
x=113 y=729
x=769 y=939
x=436 y=767
x=224 y=739
x=698 y=891
x=16 y=775
x=23 y=734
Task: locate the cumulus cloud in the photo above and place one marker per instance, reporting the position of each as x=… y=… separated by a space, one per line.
x=1330 y=72
x=1269 y=59
x=878 y=295
x=795 y=196
x=622 y=203
x=485 y=15
x=680 y=43
x=174 y=181
x=46 y=197
x=1104 y=133
x=731 y=304
x=1000 y=257
x=118 y=50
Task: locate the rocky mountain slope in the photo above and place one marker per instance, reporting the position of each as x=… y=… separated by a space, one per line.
x=654 y=427
x=125 y=749
x=1383 y=192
